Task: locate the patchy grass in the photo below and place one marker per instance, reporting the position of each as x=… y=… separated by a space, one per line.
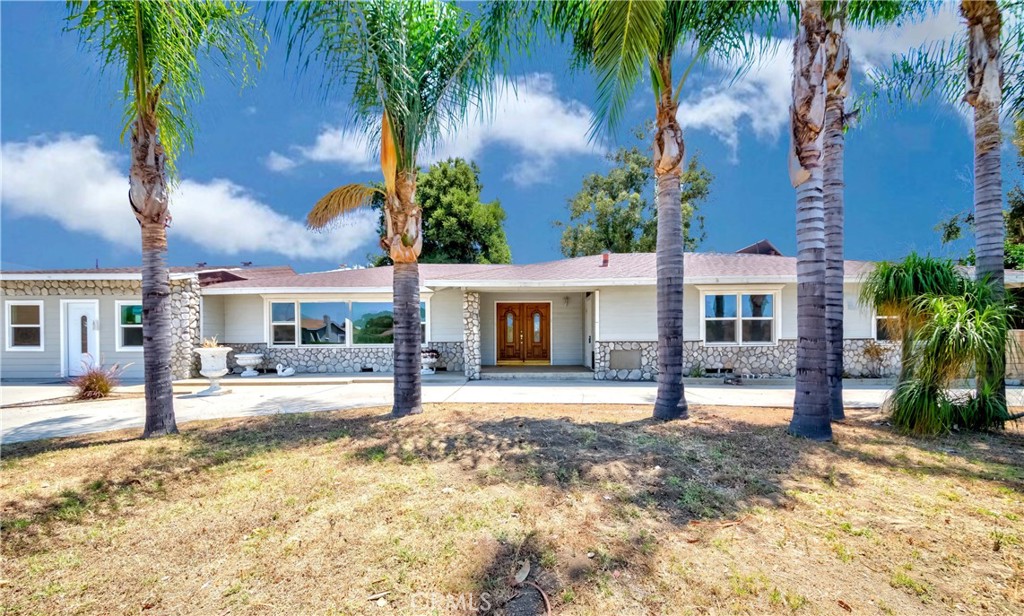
x=617 y=514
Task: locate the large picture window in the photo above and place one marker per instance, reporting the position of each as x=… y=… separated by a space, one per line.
x=739 y=318
x=345 y=323
x=25 y=326
x=129 y=326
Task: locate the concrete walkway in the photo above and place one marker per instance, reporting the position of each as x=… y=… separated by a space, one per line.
x=31 y=412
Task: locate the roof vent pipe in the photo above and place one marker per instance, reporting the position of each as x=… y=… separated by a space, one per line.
x=604 y=258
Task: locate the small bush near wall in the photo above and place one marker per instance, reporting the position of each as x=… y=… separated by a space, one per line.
x=97 y=382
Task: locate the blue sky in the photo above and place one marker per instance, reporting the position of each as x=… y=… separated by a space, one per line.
x=264 y=155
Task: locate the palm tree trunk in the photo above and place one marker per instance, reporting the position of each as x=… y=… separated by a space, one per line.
x=811 y=413
x=404 y=242
x=668 y=158
x=408 y=398
x=149 y=199
x=837 y=62
x=984 y=83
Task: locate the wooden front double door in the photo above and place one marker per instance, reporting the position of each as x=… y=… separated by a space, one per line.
x=524 y=333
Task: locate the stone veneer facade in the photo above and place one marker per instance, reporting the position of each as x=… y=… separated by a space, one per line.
x=184 y=302
x=330 y=358
x=752 y=361
x=471 y=334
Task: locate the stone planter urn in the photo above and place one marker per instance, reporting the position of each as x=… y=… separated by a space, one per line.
x=214 y=365
x=427 y=361
x=249 y=361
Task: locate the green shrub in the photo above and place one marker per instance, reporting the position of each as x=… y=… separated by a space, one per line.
x=97 y=382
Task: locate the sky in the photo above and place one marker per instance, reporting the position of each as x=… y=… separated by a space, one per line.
x=264 y=154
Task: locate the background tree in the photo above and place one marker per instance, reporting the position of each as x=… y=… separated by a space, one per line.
x=615 y=211
x=624 y=42
x=158 y=49
x=457 y=226
x=415 y=68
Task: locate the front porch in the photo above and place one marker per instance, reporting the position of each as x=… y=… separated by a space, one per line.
x=536 y=373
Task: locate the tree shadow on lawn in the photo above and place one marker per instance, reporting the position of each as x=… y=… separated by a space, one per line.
x=707 y=467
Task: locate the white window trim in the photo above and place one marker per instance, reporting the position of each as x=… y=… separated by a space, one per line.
x=8 y=338
x=268 y=312
x=774 y=290
x=874 y=326
x=118 y=346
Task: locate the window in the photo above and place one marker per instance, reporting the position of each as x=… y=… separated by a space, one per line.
x=739 y=318
x=25 y=326
x=129 y=326
x=323 y=322
x=373 y=323
x=886 y=327
x=341 y=323
x=282 y=323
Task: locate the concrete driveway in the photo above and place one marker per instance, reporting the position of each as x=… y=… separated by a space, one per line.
x=32 y=412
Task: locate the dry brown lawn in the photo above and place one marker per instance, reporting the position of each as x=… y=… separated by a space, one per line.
x=354 y=513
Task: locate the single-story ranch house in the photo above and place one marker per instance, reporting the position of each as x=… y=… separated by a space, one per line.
x=597 y=313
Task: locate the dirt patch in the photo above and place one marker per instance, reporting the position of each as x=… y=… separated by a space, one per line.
x=352 y=512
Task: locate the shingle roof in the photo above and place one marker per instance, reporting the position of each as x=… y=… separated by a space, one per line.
x=247 y=272
x=626 y=267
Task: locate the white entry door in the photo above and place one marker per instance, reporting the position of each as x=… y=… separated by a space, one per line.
x=81 y=337
x=588 y=331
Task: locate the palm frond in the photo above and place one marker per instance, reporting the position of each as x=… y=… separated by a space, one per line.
x=160 y=49
x=340 y=201
x=626 y=35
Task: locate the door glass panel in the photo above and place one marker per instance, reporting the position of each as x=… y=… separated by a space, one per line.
x=509 y=327
x=536 y=327
x=85 y=334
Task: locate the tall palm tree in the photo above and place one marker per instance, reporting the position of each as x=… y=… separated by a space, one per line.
x=158 y=47
x=837 y=87
x=870 y=13
x=416 y=67
x=984 y=94
x=622 y=41
x=811 y=412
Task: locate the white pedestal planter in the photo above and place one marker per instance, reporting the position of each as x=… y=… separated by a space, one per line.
x=427 y=364
x=249 y=361
x=214 y=365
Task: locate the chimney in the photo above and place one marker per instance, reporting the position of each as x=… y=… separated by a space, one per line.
x=604 y=258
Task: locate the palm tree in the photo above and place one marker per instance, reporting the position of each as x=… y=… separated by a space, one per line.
x=416 y=67
x=622 y=41
x=869 y=13
x=157 y=48
x=811 y=412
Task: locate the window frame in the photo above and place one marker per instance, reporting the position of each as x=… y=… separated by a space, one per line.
x=774 y=291
x=119 y=345
x=349 y=333
x=8 y=330
x=874 y=327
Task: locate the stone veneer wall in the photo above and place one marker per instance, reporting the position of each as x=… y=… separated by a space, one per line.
x=751 y=361
x=326 y=358
x=471 y=334
x=184 y=302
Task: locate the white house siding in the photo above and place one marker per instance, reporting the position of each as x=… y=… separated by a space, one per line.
x=566 y=325
x=446 y=316
x=48 y=363
x=858 y=321
x=628 y=314
x=243 y=319
x=213 y=317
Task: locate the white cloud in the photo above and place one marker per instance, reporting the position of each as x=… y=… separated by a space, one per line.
x=530 y=119
x=873 y=48
x=280 y=162
x=74 y=182
x=760 y=97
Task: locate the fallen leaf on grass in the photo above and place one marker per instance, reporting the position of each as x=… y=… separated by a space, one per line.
x=523 y=572
x=844 y=605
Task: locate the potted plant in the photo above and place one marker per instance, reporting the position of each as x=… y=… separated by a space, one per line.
x=428 y=357
x=214 y=365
